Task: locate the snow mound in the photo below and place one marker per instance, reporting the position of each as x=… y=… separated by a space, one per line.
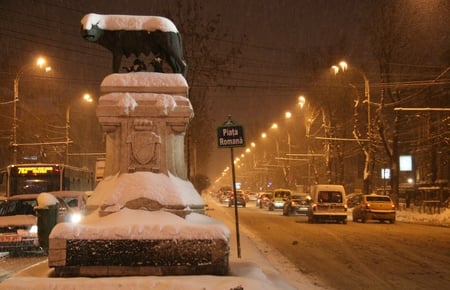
x=115 y=191
x=142 y=225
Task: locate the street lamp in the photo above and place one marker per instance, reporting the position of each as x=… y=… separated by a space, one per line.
x=343 y=66
x=40 y=63
x=301 y=101
x=87 y=98
x=288 y=115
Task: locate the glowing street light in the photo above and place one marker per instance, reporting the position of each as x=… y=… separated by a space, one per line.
x=301 y=101
x=40 y=63
x=343 y=66
x=87 y=98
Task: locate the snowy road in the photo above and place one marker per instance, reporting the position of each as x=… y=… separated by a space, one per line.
x=330 y=256
x=10 y=265
x=356 y=255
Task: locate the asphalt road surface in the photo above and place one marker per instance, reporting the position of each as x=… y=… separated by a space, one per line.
x=366 y=256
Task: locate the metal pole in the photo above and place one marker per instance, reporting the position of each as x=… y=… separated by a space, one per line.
x=39 y=63
x=14 y=125
x=67 y=133
x=233 y=174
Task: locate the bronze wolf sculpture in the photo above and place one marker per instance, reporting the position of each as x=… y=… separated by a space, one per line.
x=128 y=34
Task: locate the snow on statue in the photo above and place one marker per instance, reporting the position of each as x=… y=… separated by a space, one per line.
x=128 y=34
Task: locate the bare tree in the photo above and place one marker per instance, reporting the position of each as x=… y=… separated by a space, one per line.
x=207 y=65
x=396 y=38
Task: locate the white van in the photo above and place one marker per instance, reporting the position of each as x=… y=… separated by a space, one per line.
x=328 y=203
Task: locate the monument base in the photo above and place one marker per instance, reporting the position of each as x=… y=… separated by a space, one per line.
x=96 y=258
x=141 y=223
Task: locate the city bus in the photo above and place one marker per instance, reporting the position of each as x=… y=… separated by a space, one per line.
x=39 y=177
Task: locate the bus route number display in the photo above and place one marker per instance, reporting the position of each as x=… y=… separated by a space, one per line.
x=230 y=136
x=34 y=170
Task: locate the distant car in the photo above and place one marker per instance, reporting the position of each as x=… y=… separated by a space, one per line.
x=328 y=204
x=279 y=197
x=18 y=222
x=297 y=204
x=263 y=199
x=240 y=201
x=351 y=198
x=374 y=207
x=252 y=196
x=225 y=197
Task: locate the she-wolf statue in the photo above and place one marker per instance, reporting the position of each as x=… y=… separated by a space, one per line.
x=129 y=34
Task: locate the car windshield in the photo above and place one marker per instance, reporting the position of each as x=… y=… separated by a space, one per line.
x=282 y=194
x=18 y=207
x=378 y=198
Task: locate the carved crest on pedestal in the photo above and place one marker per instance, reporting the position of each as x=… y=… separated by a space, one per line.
x=145 y=144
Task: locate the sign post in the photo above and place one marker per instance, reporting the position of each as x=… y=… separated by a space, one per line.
x=231 y=135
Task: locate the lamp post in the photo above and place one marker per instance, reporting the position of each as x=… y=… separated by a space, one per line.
x=287 y=116
x=301 y=103
x=343 y=66
x=87 y=98
x=39 y=63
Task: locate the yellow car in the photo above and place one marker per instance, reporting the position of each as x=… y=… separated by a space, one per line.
x=373 y=207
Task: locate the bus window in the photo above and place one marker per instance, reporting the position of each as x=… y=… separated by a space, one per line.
x=3 y=183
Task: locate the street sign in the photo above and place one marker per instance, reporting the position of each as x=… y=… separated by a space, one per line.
x=230 y=136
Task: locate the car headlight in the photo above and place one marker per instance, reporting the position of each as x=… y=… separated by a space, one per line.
x=33 y=229
x=75 y=218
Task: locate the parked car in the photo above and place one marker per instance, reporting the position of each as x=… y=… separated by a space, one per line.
x=374 y=207
x=279 y=197
x=74 y=199
x=297 y=204
x=328 y=203
x=18 y=222
x=240 y=200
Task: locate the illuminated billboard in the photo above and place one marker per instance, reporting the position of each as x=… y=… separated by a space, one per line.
x=405 y=162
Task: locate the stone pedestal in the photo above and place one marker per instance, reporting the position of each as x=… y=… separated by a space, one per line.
x=147 y=218
x=145 y=116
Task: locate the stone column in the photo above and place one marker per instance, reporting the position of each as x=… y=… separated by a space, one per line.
x=144 y=116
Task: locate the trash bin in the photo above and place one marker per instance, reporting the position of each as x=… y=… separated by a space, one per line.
x=46 y=220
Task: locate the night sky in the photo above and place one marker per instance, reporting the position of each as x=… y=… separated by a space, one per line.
x=281 y=40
